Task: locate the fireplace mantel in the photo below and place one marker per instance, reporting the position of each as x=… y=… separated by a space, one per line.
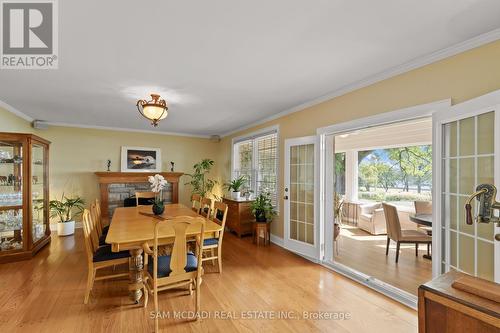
x=107 y=178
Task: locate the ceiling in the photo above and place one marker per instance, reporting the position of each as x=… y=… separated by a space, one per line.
x=401 y=134
x=225 y=64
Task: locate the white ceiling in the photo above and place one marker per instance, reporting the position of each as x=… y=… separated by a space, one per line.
x=224 y=64
x=405 y=133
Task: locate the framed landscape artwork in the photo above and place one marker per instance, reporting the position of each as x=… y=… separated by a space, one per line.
x=140 y=159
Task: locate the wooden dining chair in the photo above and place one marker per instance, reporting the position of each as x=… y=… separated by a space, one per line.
x=210 y=244
x=104 y=228
x=96 y=226
x=205 y=207
x=395 y=233
x=99 y=257
x=423 y=207
x=196 y=203
x=143 y=195
x=180 y=268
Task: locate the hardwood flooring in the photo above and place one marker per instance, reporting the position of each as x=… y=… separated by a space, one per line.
x=366 y=253
x=45 y=294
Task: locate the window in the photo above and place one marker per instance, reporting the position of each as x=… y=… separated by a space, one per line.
x=256 y=158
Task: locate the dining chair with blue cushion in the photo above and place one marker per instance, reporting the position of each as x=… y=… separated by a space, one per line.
x=180 y=268
x=99 y=257
x=102 y=231
x=215 y=243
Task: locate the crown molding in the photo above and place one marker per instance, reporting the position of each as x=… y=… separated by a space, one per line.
x=120 y=129
x=15 y=111
x=430 y=58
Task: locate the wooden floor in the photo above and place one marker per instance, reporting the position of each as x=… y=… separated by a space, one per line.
x=366 y=253
x=45 y=294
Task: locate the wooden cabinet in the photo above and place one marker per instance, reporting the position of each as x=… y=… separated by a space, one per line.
x=442 y=307
x=239 y=216
x=24 y=195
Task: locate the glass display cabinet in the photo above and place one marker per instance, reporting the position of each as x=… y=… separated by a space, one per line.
x=24 y=195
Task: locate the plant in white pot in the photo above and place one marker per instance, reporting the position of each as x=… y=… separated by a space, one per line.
x=65 y=210
x=235 y=185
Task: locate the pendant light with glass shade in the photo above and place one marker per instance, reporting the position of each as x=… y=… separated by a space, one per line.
x=155 y=110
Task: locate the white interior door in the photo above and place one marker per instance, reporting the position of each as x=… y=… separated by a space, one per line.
x=300 y=215
x=466 y=154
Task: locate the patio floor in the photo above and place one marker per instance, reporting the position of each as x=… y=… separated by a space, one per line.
x=366 y=253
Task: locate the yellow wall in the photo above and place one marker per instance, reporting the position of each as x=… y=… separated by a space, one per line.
x=461 y=77
x=76 y=153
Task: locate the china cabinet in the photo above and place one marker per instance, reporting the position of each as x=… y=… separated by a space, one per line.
x=24 y=195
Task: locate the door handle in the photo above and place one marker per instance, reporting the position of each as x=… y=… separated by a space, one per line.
x=285 y=197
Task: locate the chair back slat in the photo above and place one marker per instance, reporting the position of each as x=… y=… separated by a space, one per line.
x=178 y=259
x=392 y=222
x=220 y=216
x=143 y=195
x=94 y=236
x=206 y=207
x=196 y=203
x=98 y=214
x=95 y=218
x=89 y=246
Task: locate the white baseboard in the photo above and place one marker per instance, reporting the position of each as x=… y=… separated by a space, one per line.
x=277 y=240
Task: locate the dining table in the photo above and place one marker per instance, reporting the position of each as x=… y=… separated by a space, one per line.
x=422 y=219
x=131 y=227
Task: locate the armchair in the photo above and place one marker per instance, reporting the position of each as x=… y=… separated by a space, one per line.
x=372 y=219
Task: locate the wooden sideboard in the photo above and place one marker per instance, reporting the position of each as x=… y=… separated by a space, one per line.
x=106 y=178
x=444 y=308
x=239 y=216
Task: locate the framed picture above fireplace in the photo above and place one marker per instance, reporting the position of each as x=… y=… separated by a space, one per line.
x=140 y=159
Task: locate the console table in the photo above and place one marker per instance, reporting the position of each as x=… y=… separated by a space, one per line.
x=107 y=178
x=239 y=216
x=458 y=303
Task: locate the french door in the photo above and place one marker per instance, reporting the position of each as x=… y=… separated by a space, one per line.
x=466 y=154
x=300 y=197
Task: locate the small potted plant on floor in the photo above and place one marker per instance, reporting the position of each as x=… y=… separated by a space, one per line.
x=158 y=183
x=262 y=208
x=235 y=185
x=65 y=210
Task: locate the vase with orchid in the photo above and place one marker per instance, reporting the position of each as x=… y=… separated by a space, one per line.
x=158 y=183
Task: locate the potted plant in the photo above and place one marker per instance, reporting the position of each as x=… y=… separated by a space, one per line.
x=200 y=183
x=65 y=210
x=236 y=185
x=262 y=208
x=158 y=183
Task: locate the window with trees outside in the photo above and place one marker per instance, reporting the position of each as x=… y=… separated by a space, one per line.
x=400 y=175
x=256 y=158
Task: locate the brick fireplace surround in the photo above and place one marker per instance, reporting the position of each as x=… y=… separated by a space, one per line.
x=117 y=186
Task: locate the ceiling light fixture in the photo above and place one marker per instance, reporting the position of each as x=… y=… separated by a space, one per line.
x=155 y=110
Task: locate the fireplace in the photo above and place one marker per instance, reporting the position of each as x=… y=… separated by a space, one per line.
x=116 y=187
x=123 y=195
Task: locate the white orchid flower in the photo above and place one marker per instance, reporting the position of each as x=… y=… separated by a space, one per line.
x=158 y=183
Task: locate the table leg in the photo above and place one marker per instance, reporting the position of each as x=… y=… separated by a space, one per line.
x=135 y=275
